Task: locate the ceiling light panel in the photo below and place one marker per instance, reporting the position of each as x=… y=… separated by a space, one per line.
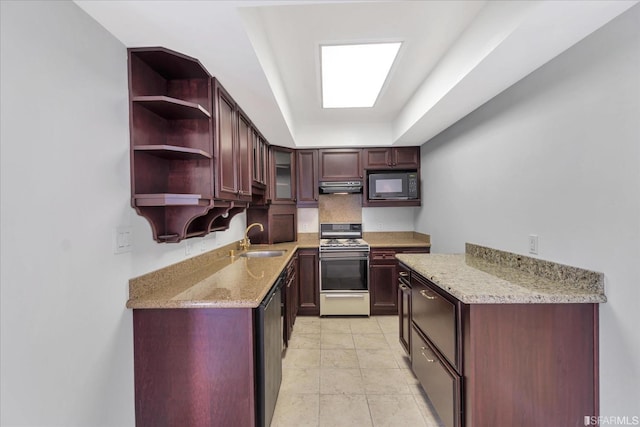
x=353 y=75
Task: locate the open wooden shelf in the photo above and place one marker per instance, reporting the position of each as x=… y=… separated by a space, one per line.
x=172 y=108
x=170 y=200
x=173 y=152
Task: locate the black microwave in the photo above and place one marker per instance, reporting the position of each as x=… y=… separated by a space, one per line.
x=393 y=185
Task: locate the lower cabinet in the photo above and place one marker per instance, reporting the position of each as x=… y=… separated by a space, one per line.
x=441 y=383
x=404 y=307
x=308 y=285
x=383 y=278
x=525 y=365
x=194 y=367
x=291 y=298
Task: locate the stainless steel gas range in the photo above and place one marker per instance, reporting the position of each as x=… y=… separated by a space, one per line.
x=344 y=270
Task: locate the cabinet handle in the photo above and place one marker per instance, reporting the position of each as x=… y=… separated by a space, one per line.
x=422 y=349
x=403 y=274
x=403 y=287
x=426 y=295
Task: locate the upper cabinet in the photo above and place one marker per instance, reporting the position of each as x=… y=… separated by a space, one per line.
x=392 y=158
x=234 y=148
x=172 y=159
x=260 y=160
x=340 y=164
x=192 y=146
x=282 y=180
x=307 y=178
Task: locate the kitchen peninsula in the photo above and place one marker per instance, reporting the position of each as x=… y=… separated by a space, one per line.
x=497 y=338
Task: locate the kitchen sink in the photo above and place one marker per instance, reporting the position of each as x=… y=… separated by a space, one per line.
x=263 y=254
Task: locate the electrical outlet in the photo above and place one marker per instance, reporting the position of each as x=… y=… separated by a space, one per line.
x=380 y=226
x=533 y=244
x=188 y=248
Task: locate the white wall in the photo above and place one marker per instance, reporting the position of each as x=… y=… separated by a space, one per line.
x=66 y=337
x=557 y=155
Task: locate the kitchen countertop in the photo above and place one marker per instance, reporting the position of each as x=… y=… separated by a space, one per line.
x=488 y=276
x=217 y=280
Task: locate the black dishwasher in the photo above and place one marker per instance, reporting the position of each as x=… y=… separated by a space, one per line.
x=268 y=353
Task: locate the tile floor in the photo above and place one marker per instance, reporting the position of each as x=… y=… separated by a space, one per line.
x=349 y=372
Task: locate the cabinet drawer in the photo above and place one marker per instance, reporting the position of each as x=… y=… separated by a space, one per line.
x=385 y=256
x=440 y=382
x=436 y=317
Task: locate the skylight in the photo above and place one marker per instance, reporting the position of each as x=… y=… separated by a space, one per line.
x=353 y=75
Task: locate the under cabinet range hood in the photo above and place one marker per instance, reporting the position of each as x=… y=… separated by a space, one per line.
x=340 y=187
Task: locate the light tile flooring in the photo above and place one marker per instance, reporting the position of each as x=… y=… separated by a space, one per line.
x=349 y=371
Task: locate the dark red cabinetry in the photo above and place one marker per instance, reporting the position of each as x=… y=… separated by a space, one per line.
x=309 y=288
x=528 y=365
x=307 y=178
x=383 y=278
x=340 y=164
x=392 y=158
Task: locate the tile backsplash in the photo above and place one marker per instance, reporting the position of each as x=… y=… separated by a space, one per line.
x=340 y=208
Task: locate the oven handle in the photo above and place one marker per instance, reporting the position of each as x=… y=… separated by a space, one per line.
x=354 y=295
x=353 y=258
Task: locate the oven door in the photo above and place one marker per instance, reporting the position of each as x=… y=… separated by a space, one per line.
x=344 y=271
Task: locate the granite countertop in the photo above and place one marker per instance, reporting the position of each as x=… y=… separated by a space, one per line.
x=396 y=239
x=217 y=280
x=488 y=276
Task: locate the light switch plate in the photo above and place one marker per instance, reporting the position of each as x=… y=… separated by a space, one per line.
x=533 y=244
x=123 y=240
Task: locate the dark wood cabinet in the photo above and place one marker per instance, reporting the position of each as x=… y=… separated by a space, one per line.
x=279 y=221
x=233 y=137
x=278 y=214
x=383 y=278
x=392 y=158
x=307 y=178
x=404 y=307
x=308 y=282
x=260 y=160
x=291 y=298
x=383 y=287
x=340 y=164
x=172 y=155
x=282 y=179
x=194 y=367
x=521 y=364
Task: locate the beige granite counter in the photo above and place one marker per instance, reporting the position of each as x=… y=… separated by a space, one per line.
x=397 y=239
x=488 y=276
x=217 y=280
x=213 y=280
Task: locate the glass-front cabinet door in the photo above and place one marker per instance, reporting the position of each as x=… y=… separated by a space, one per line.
x=283 y=167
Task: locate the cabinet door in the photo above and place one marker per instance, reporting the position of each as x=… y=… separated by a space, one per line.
x=226 y=145
x=404 y=307
x=442 y=384
x=259 y=159
x=340 y=164
x=283 y=189
x=436 y=316
x=291 y=300
x=245 y=148
x=309 y=288
x=406 y=158
x=307 y=178
x=392 y=158
x=377 y=158
x=383 y=285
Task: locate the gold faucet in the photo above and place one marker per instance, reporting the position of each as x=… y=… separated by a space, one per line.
x=245 y=243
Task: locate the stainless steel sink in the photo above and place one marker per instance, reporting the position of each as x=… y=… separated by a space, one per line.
x=263 y=254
